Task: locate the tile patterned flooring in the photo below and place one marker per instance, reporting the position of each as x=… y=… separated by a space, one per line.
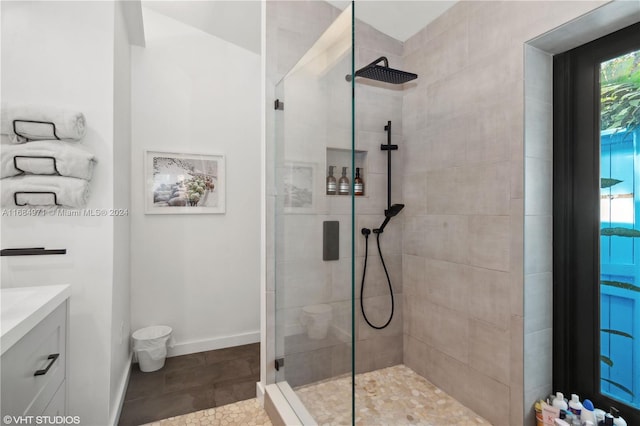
x=390 y=396
x=243 y=413
x=191 y=383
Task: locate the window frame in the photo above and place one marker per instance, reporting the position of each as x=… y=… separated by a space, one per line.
x=576 y=217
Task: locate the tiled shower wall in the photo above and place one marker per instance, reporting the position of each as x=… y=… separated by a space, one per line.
x=463 y=239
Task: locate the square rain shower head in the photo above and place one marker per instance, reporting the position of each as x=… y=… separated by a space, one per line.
x=384 y=73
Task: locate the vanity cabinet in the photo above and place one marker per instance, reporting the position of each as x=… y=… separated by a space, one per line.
x=34 y=369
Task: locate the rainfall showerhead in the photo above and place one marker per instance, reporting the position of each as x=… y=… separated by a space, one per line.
x=383 y=73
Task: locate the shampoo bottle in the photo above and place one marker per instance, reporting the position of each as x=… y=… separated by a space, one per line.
x=574 y=405
x=358 y=184
x=331 y=182
x=559 y=402
x=343 y=183
x=588 y=414
x=617 y=420
x=608 y=420
x=571 y=419
x=599 y=415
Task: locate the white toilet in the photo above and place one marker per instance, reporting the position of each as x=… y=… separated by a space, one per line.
x=316 y=318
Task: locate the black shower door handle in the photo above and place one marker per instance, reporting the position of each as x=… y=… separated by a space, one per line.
x=53 y=358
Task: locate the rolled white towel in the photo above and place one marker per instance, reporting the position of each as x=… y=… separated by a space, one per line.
x=25 y=123
x=35 y=191
x=63 y=158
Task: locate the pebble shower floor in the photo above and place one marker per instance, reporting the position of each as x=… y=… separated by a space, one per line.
x=391 y=396
x=245 y=413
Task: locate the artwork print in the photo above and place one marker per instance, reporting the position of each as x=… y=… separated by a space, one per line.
x=184 y=183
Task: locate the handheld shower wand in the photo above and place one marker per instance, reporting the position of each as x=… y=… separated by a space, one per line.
x=388 y=214
x=391 y=211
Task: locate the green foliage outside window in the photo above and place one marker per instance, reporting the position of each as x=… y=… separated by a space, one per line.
x=620 y=92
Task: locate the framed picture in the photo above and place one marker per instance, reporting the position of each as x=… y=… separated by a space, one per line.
x=299 y=189
x=179 y=183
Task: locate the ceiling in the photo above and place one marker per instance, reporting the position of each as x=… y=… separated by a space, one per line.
x=398 y=19
x=239 y=21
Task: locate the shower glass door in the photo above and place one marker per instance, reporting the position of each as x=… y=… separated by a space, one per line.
x=313 y=229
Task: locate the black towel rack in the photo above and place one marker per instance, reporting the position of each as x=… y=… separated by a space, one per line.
x=53 y=127
x=15 y=197
x=45 y=157
x=31 y=251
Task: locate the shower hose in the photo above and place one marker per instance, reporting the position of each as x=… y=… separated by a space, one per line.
x=366 y=233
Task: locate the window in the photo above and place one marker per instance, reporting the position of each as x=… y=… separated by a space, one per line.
x=597 y=222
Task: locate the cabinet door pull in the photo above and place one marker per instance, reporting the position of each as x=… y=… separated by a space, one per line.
x=53 y=358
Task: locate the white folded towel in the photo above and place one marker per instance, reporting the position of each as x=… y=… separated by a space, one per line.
x=25 y=123
x=64 y=157
x=35 y=191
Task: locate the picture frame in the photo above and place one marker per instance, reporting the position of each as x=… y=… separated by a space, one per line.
x=184 y=183
x=299 y=187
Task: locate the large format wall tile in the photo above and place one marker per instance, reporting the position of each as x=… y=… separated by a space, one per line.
x=464 y=127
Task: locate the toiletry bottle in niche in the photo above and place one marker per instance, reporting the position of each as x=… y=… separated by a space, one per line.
x=358 y=184
x=331 y=182
x=343 y=183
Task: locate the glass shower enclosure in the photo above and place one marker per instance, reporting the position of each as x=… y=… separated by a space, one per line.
x=313 y=223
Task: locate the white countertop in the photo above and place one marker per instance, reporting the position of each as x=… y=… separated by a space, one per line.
x=22 y=308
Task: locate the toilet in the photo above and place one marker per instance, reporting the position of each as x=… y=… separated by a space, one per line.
x=316 y=318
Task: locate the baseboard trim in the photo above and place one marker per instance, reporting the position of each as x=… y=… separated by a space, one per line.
x=122 y=391
x=260 y=392
x=185 y=348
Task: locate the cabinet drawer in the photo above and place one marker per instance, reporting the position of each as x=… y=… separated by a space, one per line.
x=23 y=393
x=57 y=405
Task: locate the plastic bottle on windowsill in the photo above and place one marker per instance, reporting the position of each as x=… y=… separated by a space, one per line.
x=559 y=402
x=574 y=405
x=617 y=420
x=573 y=419
x=588 y=414
x=608 y=420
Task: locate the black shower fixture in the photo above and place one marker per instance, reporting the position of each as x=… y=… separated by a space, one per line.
x=391 y=211
x=388 y=214
x=385 y=74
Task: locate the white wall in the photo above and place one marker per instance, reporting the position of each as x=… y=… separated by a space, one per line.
x=50 y=56
x=121 y=307
x=195 y=93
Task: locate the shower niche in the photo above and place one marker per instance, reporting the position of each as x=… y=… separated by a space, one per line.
x=339 y=158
